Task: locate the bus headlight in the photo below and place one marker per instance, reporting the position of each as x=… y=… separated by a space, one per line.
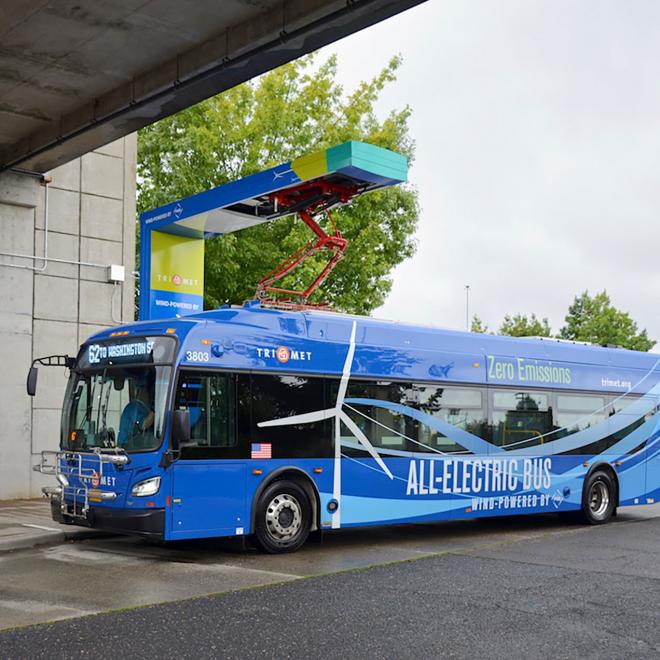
x=146 y=487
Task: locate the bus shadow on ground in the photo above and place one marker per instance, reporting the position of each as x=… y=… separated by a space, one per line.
x=417 y=537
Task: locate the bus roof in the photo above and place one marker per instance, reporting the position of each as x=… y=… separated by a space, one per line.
x=400 y=350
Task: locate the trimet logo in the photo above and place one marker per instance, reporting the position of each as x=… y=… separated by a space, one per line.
x=283 y=354
x=178 y=210
x=177 y=280
x=96 y=480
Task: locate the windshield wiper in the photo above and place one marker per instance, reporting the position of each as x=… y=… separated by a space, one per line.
x=90 y=381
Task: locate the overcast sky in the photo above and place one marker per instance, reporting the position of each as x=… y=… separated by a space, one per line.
x=538 y=145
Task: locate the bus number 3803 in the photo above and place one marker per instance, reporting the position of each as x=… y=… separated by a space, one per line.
x=197 y=356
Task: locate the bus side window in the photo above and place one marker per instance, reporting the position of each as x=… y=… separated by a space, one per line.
x=384 y=428
x=222 y=411
x=193 y=397
x=210 y=400
x=281 y=396
x=397 y=432
x=521 y=419
x=461 y=407
x=576 y=412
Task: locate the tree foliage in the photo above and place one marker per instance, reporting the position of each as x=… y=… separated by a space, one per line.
x=520 y=325
x=296 y=109
x=595 y=319
x=478 y=325
x=591 y=319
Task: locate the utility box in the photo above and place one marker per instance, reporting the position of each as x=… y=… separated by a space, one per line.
x=116 y=273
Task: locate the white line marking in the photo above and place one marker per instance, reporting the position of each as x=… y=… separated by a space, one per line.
x=48 y=529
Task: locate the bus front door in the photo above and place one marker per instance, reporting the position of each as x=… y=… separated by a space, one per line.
x=208 y=485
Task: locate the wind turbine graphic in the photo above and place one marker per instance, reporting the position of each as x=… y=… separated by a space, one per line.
x=339 y=416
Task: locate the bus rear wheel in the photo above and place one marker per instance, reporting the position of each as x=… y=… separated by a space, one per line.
x=599 y=498
x=284 y=517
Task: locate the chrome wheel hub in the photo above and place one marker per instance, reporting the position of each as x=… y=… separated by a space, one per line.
x=283 y=517
x=599 y=499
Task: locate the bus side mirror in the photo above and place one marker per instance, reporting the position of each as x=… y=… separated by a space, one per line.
x=32 y=381
x=180 y=435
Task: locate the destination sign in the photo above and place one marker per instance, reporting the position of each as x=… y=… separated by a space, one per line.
x=97 y=353
x=140 y=350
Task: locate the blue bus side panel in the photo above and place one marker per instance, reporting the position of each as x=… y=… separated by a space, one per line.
x=440 y=489
x=217 y=498
x=208 y=499
x=422 y=490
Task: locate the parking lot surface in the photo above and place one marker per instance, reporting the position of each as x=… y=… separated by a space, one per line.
x=517 y=587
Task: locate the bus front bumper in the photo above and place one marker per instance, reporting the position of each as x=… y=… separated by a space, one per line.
x=149 y=523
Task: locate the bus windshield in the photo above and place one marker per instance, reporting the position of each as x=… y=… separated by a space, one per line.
x=115 y=408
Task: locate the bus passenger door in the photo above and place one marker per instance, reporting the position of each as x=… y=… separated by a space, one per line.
x=208 y=485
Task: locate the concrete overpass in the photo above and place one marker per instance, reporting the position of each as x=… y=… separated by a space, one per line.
x=77 y=74
x=77 y=79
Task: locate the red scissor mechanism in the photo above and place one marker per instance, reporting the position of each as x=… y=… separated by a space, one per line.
x=307 y=200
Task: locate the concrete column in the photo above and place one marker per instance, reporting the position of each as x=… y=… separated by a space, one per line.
x=18 y=200
x=91 y=218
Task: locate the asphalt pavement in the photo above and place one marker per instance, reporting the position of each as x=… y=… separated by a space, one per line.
x=511 y=588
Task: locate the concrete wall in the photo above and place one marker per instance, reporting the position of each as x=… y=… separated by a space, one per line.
x=91 y=218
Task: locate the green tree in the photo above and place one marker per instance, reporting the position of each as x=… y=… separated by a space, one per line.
x=596 y=320
x=296 y=109
x=520 y=325
x=478 y=325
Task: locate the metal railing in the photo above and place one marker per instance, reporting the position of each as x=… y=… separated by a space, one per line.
x=79 y=475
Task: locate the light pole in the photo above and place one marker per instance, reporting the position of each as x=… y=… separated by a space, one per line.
x=467 y=307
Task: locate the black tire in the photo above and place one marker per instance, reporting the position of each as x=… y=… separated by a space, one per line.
x=284 y=518
x=599 y=498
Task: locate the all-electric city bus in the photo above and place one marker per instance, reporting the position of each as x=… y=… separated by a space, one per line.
x=275 y=424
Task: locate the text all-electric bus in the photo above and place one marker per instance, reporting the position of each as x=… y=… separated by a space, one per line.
x=275 y=424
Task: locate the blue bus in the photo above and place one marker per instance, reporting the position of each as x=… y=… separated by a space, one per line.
x=277 y=424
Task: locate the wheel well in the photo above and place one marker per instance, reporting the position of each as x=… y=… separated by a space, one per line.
x=299 y=477
x=605 y=467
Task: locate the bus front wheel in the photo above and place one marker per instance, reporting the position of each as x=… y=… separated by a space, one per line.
x=599 y=498
x=284 y=517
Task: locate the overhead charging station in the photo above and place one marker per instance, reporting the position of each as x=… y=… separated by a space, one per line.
x=172 y=236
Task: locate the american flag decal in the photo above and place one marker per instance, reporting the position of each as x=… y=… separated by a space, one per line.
x=261 y=450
